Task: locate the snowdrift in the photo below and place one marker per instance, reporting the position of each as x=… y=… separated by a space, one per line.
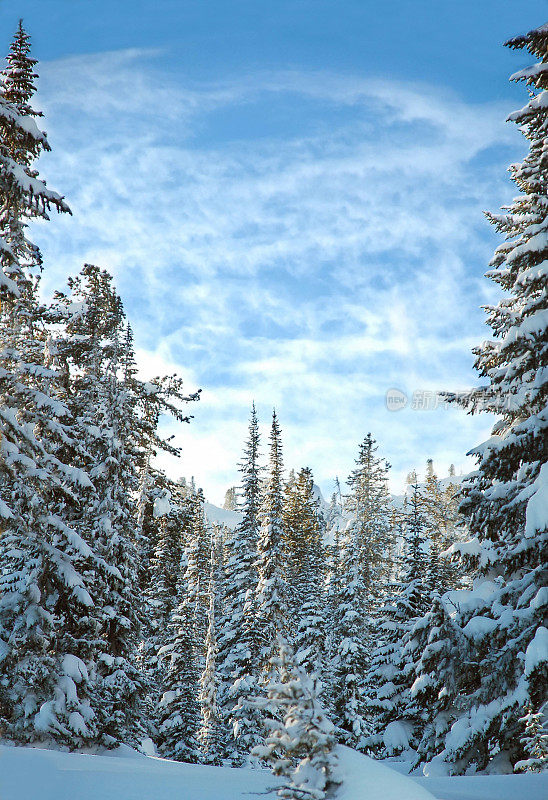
x=531 y=786
x=32 y=774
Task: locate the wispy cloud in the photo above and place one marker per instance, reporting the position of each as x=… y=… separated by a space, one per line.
x=308 y=240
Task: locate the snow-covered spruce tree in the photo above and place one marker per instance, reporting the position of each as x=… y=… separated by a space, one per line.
x=443 y=521
x=25 y=196
x=271 y=592
x=45 y=598
x=238 y=641
x=303 y=522
x=167 y=523
x=364 y=572
x=210 y=734
x=305 y=561
x=348 y=655
x=330 y=592
x=535 y=742
x=369 y=502
x=116 y=418
x=440 y=676
x=178 y=710
x=505 y=500
x=198 y=549
x=89 y=351
x=391 y=671
x=301 y=739
x=270 y=620
x=414 y=595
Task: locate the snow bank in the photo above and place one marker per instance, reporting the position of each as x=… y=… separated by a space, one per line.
x=366 y=779
x=30 y=773
x=488 y=787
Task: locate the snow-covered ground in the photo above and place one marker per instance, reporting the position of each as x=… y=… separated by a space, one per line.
x=488 y=787
x=33 y=774
x=481 y=787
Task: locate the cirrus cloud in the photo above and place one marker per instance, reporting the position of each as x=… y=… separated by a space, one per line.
x=304 y=239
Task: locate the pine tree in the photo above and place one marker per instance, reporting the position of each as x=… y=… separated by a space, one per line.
x=210 y=736
x=238 y=641
x=305 y=570
x=197 y=570
x=391 y=673
x=440 y=677
x=300 y=742
x=178 y=711
x=369 y=501
x=166 y=558
x=365 y=570
x=231 y=499
x=414 y=596
x=443 y=520
x=505 y=499
x=535 y=742
x=45 y=594
x=349 y=644
x=166 y=525
x=89 y=352
x=272 y=590
x=23 y=196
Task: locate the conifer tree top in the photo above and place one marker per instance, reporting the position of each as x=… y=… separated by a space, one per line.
x=18 y=78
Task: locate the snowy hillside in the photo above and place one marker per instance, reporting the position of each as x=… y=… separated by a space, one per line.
x=221 y=516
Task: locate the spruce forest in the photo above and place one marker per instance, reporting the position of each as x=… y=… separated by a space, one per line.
x=407 y=628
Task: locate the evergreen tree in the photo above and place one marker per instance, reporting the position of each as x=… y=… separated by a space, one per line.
x=166 y=525
x=391 y=674
x=505 y=499
x=90 y=355
x=300 y=742
x=197 y=570
x=443 y=520
x=178 y=712
x=349 y=643
x=440 y=677
x=305 y=570
x=23 y=196
x=231 y=499
x=271 y=591
x=369 y=501
x=535 y=742
x=271 y=588
x=210 y=734
x=45 y=595
x=238 y=641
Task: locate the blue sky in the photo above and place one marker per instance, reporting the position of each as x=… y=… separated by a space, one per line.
x=290 y=197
